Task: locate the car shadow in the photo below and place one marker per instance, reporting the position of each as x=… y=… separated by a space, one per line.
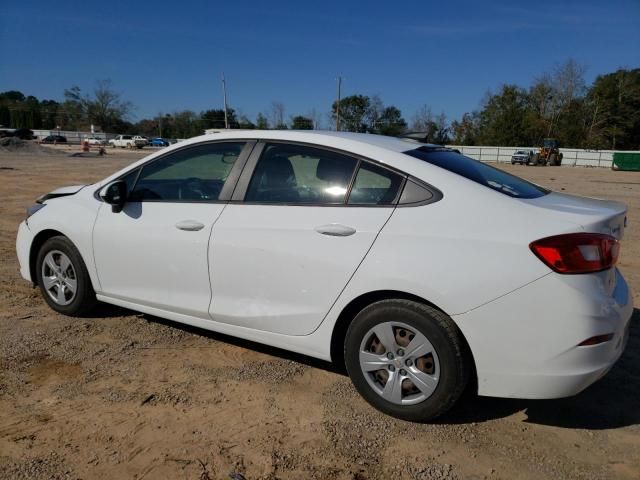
x=106 y=310
x=249 y=345
x=612 y=402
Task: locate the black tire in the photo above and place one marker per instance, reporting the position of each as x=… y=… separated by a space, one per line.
x=85 y=297
x=444 y=336
x=552 y=159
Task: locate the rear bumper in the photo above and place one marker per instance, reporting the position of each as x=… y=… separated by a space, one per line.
x=23 y=247
x=525 y=344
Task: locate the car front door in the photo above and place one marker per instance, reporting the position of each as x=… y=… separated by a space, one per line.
x=301 y=221
x=154 y=252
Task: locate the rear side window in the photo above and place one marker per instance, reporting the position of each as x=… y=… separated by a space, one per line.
x=300 y=174
x=375 y=185
x=479 y=172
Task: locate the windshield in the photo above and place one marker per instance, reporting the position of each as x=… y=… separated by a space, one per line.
x=478 y=172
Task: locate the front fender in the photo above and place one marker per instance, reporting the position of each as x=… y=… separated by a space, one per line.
x=72 y=216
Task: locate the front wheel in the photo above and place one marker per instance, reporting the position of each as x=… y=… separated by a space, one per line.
x=406 y=359
x=63 y=278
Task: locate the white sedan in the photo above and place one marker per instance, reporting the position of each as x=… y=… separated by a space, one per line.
x=421 y=270
x=95 y=141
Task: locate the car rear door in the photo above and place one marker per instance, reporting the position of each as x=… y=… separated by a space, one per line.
x=154 y=252
x=301 y=221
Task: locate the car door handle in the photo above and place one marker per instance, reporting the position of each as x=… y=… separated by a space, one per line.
x=189 y=225
x=335 y=230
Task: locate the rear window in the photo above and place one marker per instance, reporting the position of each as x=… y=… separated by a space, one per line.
x=479 y=172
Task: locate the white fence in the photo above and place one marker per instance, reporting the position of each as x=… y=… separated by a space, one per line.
x=72 y=136
x=571 y=157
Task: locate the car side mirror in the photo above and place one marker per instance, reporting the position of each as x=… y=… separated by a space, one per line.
x=115 y=194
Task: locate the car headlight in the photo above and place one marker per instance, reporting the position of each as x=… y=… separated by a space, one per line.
x=33 y=209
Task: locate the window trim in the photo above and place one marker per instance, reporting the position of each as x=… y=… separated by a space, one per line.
x=248 y=159
x=227 y=188
x=242 y=186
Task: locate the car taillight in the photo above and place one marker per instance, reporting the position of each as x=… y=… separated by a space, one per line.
x=577 y=252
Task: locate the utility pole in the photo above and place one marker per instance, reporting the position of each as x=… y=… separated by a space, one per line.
x=224 y=93
x=338 y=105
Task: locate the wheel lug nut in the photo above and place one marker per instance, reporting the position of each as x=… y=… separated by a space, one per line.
x=400 y=352
x=390 y=356
x=403 y=372
x=409 y=362
x=391 y=368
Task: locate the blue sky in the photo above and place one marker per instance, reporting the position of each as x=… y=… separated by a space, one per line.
x=168 y=56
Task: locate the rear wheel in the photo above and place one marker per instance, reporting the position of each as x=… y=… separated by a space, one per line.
x=406 y=359
x=63 y=278
x=552 y=159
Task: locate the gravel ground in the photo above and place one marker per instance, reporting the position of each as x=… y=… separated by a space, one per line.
x=125 y=395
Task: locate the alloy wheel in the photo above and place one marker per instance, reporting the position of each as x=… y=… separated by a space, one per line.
x=59 y=278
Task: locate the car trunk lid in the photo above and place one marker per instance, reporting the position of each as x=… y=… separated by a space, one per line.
x=592 y=214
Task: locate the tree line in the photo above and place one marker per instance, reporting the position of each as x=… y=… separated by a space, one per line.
x=558 y=104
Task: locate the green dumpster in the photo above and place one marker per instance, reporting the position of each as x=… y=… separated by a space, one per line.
x=626 y=161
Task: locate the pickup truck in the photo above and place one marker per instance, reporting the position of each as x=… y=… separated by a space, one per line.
x=128 y=141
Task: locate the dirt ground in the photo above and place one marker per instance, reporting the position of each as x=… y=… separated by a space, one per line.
x=126 y=395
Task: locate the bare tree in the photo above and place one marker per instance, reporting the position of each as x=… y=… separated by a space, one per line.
x=553 y=93
x=105 y=108
x=316 y=117
x=277 y=115
x=422 y=119
x=374 y=111
x=436 y=127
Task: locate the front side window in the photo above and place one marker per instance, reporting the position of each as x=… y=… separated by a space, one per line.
x=375 y=185
x=130 y=179
x=192 y=174
x=300 y=174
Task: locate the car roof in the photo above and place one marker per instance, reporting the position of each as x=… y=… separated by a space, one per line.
x=323 y=137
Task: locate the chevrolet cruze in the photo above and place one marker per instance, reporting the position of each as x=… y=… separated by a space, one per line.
x=419 y=269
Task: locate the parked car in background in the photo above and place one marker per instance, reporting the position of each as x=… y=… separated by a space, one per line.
x=159 y=142
x=376 y=253
x=523 y=157
x=54 y=139
x=24 y=134
x=21 y=133
x=95 y=141
x=128 y=141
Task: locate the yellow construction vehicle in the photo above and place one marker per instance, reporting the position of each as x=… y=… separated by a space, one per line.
x=549 y=153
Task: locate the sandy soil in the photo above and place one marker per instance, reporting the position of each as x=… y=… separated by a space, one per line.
x=125 y=395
